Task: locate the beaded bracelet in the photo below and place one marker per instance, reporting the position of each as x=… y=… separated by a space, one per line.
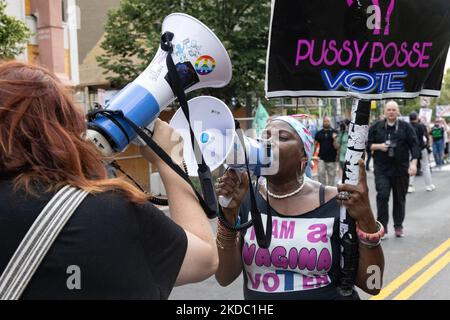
x=371 y=238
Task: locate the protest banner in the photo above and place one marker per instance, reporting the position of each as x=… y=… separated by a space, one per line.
x=443 y=111
x=377 y=49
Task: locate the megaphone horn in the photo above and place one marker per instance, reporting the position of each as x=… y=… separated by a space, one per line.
x=214 y=128
x=201 y=61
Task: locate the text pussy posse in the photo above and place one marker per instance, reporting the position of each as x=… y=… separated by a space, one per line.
x=345 y=53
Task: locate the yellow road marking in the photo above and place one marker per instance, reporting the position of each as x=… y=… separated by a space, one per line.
x=408 y=274
x=424 y=278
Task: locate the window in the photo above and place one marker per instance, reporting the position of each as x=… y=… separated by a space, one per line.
x=64 y=7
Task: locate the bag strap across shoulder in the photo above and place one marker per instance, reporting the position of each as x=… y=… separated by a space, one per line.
x=38 y=241
x=322 y=194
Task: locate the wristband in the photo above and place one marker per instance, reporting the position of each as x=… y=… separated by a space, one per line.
x=371 y=238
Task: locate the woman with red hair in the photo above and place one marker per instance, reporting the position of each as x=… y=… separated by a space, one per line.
x=122 y=246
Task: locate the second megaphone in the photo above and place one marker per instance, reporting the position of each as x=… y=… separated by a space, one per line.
x=214 y=128
x=201 y=61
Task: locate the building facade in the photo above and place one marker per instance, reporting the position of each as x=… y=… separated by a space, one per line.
x=54 y=40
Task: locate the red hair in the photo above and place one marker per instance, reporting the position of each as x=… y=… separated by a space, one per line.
x=42 y=136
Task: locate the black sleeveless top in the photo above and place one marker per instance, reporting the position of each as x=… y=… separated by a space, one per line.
x=303 y=260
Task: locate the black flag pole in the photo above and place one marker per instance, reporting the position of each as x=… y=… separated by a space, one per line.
x=358 y=134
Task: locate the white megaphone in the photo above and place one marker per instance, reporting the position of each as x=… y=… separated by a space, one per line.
x=201 y=61
x=214 y=128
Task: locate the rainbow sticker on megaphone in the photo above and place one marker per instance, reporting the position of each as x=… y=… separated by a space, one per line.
x=205 y=65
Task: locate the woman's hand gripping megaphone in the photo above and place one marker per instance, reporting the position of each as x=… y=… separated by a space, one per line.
x=231 y=189
x=253 y=155
x=223 y=200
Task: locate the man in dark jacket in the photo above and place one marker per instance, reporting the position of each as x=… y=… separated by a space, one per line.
x=326 y=139
x=393 y=143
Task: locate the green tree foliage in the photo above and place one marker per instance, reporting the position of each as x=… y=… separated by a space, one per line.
x=414 y=104
x=133 y=37
x=13 y=34
x=444 y=99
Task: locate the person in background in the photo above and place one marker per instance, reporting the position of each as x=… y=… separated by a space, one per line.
x=429 y=147
x=368 y=151
x=438 y=134
x=368 y=157
x=394 y=143
x=424 y=141
x=325 y=140
x=341 y=143
x=446 y=140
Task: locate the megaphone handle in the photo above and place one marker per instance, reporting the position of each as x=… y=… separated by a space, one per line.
x=149 y=130
x=225 y=201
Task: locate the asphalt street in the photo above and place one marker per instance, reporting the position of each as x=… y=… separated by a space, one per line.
x=417 y=266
